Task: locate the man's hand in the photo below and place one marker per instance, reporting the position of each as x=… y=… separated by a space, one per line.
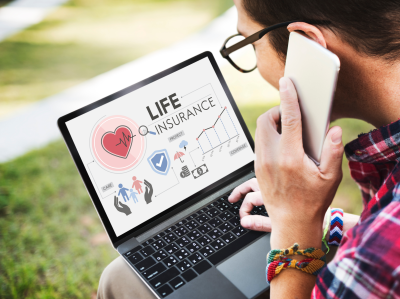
x=121 y=207
x=252 y=197
x=296 y=193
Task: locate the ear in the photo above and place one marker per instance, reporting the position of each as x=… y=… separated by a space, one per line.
x=309 y=30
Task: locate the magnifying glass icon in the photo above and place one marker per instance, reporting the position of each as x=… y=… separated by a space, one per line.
x=143 y=130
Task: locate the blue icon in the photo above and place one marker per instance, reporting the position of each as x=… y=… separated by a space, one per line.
x=160 y=162
x=183 y=144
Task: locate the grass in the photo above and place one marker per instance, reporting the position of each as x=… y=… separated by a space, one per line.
x=52 y=242
x=48 y=229
x=85 y=38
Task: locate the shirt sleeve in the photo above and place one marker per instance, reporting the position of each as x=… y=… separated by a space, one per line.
x=367 y=262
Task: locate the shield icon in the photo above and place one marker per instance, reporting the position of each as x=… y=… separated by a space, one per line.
x=160 y=162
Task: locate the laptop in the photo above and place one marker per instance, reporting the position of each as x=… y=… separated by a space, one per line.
x=159 y=160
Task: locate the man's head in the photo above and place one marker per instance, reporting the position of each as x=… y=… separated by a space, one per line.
x=120 y=185
x=365 y=34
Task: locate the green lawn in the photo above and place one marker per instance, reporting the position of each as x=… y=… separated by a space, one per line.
x=85 y=38
x=48 y=226
x=52 y=242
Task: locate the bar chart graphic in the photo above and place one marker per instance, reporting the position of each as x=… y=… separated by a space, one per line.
x=220 y=132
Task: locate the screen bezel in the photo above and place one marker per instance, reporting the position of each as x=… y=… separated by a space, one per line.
x=182 y=204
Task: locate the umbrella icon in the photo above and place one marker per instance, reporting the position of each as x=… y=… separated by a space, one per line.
x=178 y=155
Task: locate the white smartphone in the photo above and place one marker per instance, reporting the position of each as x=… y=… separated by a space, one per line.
x=314 y=71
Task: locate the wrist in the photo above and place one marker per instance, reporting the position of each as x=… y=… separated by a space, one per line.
x=305 y=236
x=349 y=221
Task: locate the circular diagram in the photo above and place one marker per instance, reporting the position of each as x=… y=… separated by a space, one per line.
x=116 y=144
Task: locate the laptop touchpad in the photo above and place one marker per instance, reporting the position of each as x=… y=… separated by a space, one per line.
x=246 y=269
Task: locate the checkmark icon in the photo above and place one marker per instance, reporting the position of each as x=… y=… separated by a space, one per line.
x=160 y=163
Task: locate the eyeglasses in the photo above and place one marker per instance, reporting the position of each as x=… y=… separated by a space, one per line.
x=240 y=51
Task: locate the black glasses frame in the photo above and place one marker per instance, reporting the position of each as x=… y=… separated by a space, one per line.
x=253 y=38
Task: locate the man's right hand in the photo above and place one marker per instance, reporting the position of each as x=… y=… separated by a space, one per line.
x=250 y=191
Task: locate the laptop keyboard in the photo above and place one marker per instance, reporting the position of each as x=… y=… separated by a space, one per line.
x=190 y=247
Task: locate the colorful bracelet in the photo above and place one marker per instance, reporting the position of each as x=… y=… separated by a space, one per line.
x=311 y=252
x=310 y=266
x=336 y=230
x=277 y=261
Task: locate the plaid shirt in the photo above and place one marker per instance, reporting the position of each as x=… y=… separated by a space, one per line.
x=367 y=263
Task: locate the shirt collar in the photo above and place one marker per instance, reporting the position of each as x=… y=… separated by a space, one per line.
x=378 y=146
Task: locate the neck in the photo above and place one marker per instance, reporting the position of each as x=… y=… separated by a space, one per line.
x=368 y=89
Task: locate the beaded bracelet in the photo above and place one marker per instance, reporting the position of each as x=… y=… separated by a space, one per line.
x=336 y=230
x=277 y=261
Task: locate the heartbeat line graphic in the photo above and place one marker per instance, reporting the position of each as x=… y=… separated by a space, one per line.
x=111 y=141
x=126 y=138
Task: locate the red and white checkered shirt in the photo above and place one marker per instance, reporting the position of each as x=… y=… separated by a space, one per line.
x=367 y=263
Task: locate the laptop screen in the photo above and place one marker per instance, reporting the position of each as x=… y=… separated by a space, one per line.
x=157 y=145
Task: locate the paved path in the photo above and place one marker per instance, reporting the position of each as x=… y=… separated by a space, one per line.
x=20 y=14
x=36 y=126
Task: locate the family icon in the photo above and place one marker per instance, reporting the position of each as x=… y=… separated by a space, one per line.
x=137 y=184
x=133 y=196
x=122 y=192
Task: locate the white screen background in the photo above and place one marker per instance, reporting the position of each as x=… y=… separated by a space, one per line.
x=191 y=84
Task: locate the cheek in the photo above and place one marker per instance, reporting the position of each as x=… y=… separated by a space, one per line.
x=270 y=66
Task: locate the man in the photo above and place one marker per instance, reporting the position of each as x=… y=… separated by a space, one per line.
x=365 y=35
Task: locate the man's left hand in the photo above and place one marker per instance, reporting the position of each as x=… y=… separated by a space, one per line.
x=295 y=192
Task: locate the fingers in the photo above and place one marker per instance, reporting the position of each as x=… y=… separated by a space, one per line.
x=332 y=153
x=119 y=209
x=256 y=222
x=291 y=117
x=250 y=201
x=275 y=116
x=147 y=183
x=240 y=191
x=268 y=126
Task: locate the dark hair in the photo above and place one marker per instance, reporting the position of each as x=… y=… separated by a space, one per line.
x=371 y=27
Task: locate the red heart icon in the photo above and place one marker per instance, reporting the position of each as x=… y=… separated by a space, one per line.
x=119 y=142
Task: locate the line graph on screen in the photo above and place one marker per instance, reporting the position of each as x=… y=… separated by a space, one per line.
x=220 y=132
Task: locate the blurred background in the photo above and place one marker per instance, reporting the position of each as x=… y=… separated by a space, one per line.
x=52 y=244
